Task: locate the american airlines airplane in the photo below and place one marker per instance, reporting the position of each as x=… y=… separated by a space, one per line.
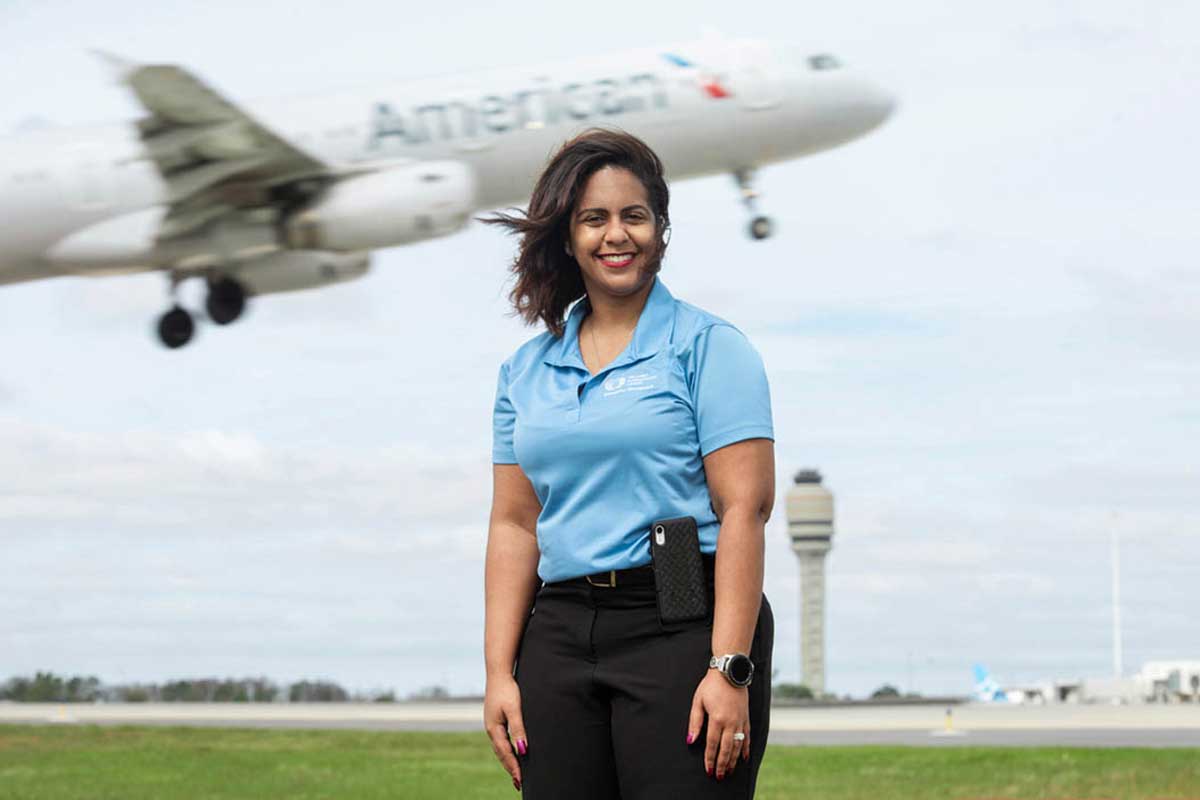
x=295 y=194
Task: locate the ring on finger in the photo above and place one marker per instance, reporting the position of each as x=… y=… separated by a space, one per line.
x=739 y=737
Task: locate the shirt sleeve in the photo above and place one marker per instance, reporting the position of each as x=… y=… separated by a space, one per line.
x=729 y=389
x=504 y=418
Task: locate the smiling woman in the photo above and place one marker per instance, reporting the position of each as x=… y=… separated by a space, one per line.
x=548 y=277
x=637 y=412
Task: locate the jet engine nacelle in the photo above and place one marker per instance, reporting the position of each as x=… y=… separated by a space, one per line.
x=289 y=270
x=386 y=208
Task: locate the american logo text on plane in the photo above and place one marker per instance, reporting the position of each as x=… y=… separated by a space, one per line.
x=546 y=104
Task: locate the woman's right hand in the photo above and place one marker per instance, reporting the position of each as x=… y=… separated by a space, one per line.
x=501 y=720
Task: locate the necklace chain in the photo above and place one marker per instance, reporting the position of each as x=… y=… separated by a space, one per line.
x=596 y=350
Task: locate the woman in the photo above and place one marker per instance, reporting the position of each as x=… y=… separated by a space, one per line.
x=636 y=408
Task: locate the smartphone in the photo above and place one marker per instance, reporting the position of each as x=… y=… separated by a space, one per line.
x=678 y=570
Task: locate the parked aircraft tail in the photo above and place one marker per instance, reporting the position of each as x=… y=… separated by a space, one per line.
x=986 y=689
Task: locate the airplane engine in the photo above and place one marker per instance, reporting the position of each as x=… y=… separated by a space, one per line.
x=289 y=271
x=124 y=243
x=386 y=208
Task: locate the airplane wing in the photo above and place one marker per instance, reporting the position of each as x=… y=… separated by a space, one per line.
x=215 y=158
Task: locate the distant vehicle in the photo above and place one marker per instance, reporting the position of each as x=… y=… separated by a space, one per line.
x=296 y=194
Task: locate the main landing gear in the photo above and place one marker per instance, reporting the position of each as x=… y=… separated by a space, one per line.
x=225 y=302
x=760 y=225
x=175 y=328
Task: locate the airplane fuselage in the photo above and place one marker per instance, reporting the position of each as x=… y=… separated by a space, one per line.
x=719 y=107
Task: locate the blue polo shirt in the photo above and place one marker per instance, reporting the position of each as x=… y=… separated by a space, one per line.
x=608 y=454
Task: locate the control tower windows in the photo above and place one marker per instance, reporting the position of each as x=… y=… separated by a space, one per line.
x=823 y=61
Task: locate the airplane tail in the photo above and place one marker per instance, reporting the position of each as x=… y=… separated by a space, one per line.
x=986 y=689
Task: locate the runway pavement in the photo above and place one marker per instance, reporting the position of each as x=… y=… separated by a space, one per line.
x=970 y=724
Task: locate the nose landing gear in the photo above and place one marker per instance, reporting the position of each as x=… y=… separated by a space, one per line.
x=760 y=226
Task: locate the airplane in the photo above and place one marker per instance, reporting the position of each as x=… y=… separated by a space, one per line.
x=295 y=194
x=986 y=689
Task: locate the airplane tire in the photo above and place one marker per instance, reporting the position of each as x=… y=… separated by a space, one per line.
x=760 y=227
x=226 y=301
x=175 y=328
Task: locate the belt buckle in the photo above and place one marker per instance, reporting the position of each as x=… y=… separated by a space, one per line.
x=612 y=580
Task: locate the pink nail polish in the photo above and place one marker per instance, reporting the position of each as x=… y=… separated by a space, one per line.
x=521 y=746
x=691 y=737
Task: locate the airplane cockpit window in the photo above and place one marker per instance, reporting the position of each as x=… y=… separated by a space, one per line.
x=823 y=61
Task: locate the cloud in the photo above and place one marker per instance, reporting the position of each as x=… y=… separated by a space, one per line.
x=231 y=480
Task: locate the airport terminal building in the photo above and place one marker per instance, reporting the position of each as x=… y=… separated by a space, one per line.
x=1156 y=682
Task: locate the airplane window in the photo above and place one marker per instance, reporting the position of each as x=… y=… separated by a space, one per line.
x=823 y=61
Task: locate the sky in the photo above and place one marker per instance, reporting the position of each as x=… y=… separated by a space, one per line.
x=979 y=322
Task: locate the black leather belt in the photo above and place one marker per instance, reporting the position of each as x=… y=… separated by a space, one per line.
x=634 y=576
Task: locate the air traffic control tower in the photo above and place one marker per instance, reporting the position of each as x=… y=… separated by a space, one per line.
x=810 y=525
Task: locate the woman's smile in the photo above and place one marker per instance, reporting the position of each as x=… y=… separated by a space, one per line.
x=617 y=260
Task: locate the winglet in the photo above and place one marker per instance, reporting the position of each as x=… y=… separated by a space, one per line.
x=121 y=67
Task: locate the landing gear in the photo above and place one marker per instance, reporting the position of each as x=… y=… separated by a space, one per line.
x=226 y=300
x=175 y=328
x=760 y=226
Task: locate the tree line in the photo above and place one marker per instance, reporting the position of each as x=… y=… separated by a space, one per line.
x=46 y=687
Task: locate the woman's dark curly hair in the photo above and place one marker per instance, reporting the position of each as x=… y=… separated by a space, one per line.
x=549 y=280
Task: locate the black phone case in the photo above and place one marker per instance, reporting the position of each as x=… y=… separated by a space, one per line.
x=678 y=570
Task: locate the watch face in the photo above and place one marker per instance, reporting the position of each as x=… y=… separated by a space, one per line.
x=740 y=669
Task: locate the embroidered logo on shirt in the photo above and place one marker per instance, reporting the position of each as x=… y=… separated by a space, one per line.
x=638 y=382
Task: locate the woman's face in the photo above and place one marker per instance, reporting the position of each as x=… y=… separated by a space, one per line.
x=613 y=233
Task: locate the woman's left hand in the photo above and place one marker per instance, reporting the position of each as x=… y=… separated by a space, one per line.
x=728 y=710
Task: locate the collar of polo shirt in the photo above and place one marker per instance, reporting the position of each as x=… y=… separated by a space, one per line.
x=653 y=331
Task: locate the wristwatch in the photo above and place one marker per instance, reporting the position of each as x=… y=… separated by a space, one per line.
x=737 y=668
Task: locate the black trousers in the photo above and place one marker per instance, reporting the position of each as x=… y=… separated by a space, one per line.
x=606 y=690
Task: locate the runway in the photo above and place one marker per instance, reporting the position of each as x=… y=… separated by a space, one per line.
x=926 y=725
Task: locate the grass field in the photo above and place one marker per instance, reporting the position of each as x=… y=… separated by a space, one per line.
x=74 y=763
